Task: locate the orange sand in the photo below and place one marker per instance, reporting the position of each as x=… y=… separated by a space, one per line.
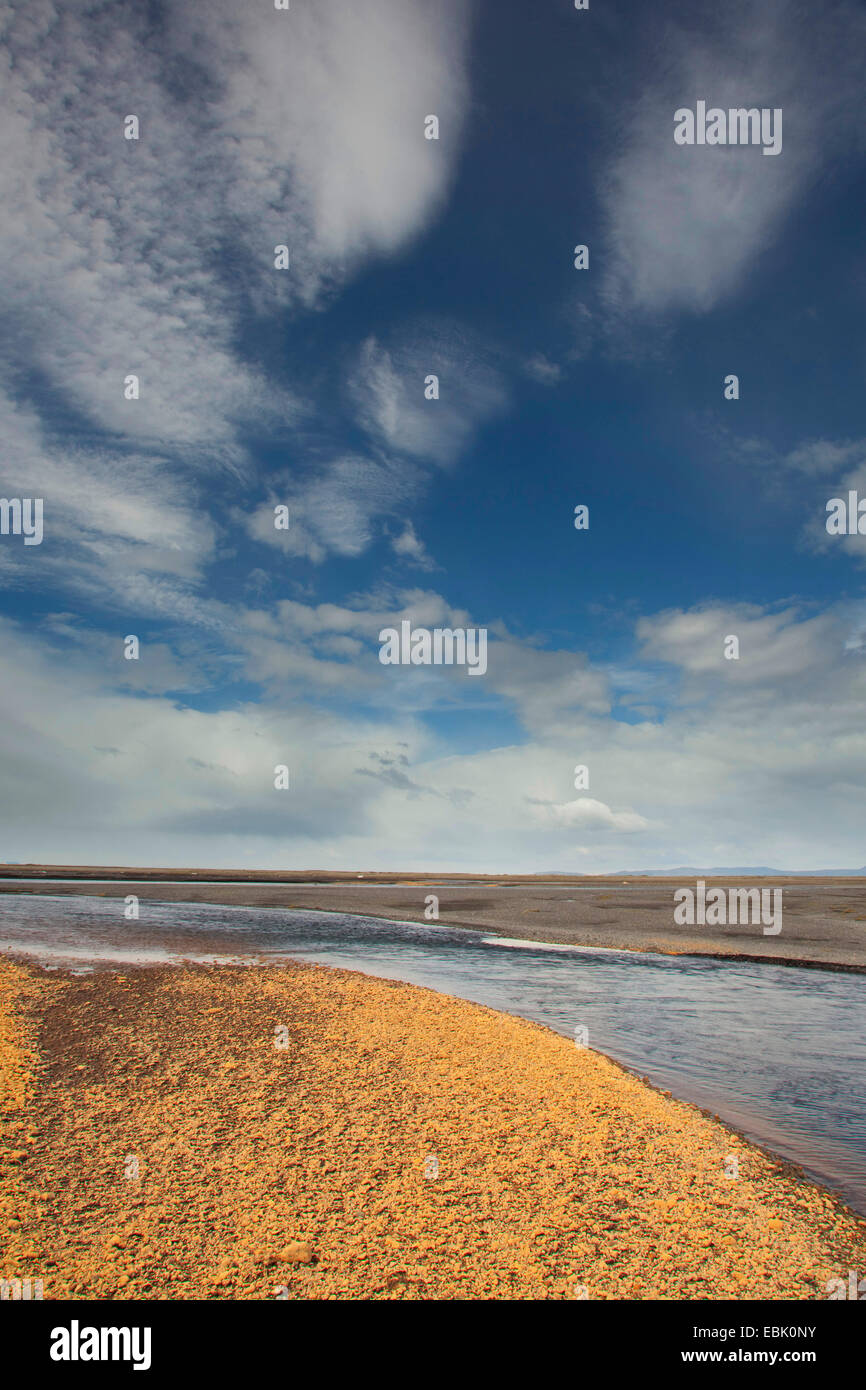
x=300 y=1171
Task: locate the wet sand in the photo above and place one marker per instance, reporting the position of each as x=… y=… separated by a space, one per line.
x=158 y=1143
x=823 y=920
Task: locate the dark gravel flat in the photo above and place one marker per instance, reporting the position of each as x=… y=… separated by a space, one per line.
x=823 y=920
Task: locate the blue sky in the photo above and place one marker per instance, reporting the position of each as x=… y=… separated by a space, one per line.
x=306 y=387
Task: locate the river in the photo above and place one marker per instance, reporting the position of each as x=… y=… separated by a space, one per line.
x=777 y=1052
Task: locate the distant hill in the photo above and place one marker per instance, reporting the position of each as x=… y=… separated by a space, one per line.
x=740 y=871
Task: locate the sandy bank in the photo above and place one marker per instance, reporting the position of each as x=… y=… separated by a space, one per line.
x=555 y=1169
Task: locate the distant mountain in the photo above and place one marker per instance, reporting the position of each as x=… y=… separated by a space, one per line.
x=740 y=871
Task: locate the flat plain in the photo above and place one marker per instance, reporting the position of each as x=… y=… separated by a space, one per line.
x=823 y=919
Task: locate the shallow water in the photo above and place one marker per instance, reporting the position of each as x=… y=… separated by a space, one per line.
x=776 y=1051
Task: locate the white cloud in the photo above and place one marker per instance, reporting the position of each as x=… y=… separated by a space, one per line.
x=340 y=505
x=325 y=107
x=388 y=388
x=735 y=772
x=542 y=370
x=108 y=515
x=587 y=814
x=818 y=538
x=111 y=259
x=773 y=646
x=817 y=456
x=411 y=548
x=146 y=257
x=334 y=509
x=261 y=127
x=685 y=224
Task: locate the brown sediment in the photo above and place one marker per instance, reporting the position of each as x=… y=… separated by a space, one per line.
x=305 y=1171
x=824 y=924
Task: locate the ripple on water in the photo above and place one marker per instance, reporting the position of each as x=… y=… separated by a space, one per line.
x=776 y=1051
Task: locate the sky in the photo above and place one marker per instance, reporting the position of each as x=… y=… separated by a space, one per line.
x=304 y=388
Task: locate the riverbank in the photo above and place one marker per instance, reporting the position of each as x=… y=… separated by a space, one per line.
x=823 y=921
x=159 y=1143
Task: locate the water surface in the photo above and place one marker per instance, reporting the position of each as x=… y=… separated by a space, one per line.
x=776 y=1051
